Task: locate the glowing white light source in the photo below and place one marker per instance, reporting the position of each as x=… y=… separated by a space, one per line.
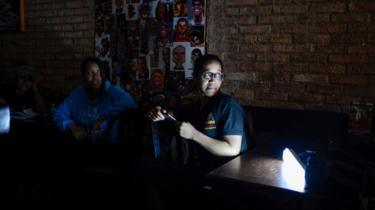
x=292 y=171
x=4 y=119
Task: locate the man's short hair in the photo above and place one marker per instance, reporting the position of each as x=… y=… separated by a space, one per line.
x=182 y=19
x=88 y=62
x=202 y=61
x=200 y=1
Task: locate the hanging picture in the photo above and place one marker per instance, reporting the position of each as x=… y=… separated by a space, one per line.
x=12 y=17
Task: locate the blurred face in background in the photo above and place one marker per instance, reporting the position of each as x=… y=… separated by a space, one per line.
x=179 y=56
x=182 y=26
x=24 y=83
x=157 y=80
x=119 y=4
x=195 y=54
x=141 y=65
x=197 y=8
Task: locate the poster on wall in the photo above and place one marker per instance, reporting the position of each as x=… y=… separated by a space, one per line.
x=12 y=15
x=143 y=42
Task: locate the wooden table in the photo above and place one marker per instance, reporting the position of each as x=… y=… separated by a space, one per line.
x=260 y=169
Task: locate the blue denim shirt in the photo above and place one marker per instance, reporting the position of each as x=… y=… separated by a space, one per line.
x=78 y=109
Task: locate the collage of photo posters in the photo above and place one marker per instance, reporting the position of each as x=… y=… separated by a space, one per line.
x=149 y=46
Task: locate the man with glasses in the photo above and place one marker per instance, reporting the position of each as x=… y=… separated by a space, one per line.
x=213 y=126
x=216 y=121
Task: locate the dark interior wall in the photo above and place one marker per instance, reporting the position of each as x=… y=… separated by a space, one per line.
x=58 y=35
x=305 y=54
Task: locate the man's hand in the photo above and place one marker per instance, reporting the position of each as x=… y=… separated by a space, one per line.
x=79 y=133
x=157 y=114
x=186 y=130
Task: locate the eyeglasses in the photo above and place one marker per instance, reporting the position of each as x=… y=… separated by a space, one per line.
x=207 y=75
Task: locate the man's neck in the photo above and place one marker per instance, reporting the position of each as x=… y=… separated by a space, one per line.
x=93 y=93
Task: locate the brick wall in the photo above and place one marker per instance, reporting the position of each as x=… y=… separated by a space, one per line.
x=59 y=34
x=305 y=54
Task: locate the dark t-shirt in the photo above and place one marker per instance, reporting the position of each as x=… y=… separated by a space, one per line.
x=221 y=116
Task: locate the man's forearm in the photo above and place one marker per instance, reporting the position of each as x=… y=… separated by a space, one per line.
x=215 y=146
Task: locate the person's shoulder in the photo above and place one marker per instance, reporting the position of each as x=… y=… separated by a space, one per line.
x=114 y=89
x=225 y=98
x=227 y=101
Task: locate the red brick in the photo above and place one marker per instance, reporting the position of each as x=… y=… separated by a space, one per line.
x=310 y=78
x=74 y=4
x=75 y=12
x=240 y=76
x=360 y=80
x=332 y=48
x=328 y=7
x=247 y=20
x=326 y=89
x=245 y=95
x=363 y=92
x=322 y=39
x=281 y=77
x=281 y=38
x=274 y=58
x=230 y=66
x=336 y=28
x=327 y=68
x=259 y=10
x=362 y=6
x=277 y=19
x=289 y=48
x=291 y=9
x=341 y=59
x=291 y=68
x=341 y=99
x=360 y=49
x=239 y=57
x=73 y=19
x=271 y=95
x=241 y=2
x=290 y=88
x=290 y=28
x=255 y=66
x=232 y=11
x=351 y=18
x=327 y=28
x=255 y=29
x=268 y=2
x=317 y=18
x=361 y=27
x=256 y=48
x=361 y=69
x=349 y=38
x=267 y=38
x=306 y=97
x=308 y=58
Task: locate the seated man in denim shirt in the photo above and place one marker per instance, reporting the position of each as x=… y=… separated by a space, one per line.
x=92 y=108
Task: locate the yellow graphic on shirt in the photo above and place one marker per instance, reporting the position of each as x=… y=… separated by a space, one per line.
x=210 y=123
